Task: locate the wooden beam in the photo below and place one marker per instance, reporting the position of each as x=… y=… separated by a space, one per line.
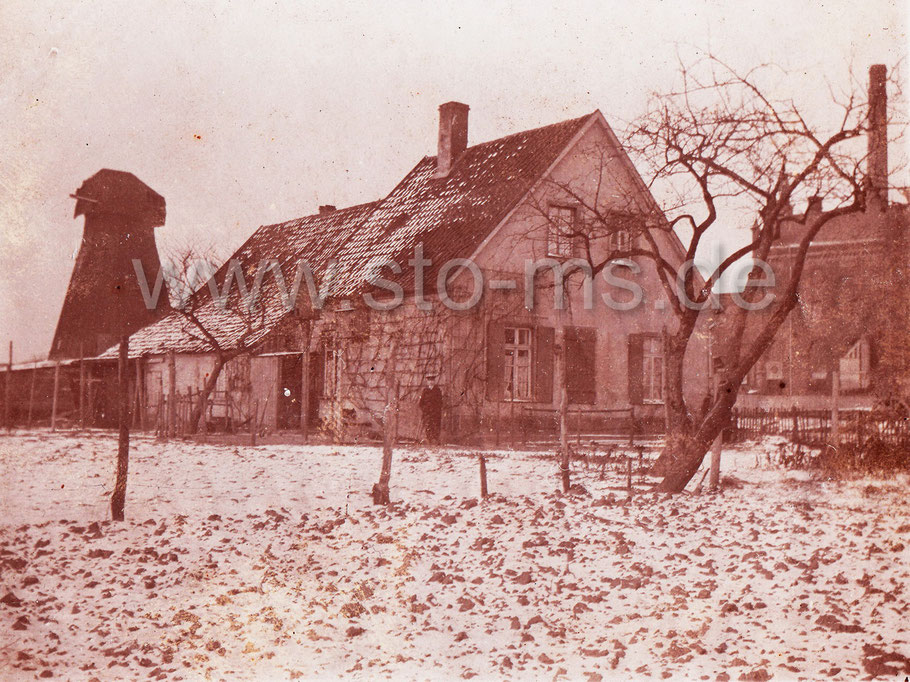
x=56 y=395
x=118 y=497
x=172 y=394
x=31 y=394
x=9 y=382
x=81 y=386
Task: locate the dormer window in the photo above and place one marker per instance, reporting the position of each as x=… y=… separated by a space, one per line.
x=561 y=229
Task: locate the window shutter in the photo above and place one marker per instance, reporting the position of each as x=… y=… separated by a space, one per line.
x=495 y=352
x=545 y=340
x=581 y=343
x=636 y=380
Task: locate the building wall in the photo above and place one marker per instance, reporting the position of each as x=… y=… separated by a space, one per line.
x=852 y=310
x=461 y=347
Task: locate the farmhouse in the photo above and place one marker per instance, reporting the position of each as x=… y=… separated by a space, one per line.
x=472 y=270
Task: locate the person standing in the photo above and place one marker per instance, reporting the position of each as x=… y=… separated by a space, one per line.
x=430 y=405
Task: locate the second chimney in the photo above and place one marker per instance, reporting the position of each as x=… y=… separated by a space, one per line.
x=877 y=159
x=453 y=136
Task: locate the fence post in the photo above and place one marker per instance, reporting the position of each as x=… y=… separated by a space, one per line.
x=483 y=475
x=834 y=431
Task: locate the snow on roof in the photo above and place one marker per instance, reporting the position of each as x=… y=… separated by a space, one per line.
x=449 y=215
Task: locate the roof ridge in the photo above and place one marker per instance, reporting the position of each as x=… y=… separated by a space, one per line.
x=525 y=132
x=355 y=207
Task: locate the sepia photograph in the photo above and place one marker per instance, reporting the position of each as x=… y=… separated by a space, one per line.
x=449 y=340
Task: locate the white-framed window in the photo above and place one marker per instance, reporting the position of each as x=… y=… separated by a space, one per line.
x=560 y=227
x=517 y=363
x=620 y=241
x=652 y=366
x=855 y=367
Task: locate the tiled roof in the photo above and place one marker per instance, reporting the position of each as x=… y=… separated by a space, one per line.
x=312 y=239
x=450 y=215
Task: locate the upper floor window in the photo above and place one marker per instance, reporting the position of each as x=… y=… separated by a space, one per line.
x=561 y=227
x=620 y=241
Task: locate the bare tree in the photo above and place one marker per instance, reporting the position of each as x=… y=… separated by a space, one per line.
x=225 y=317
x=723 y=145
x=384 y=357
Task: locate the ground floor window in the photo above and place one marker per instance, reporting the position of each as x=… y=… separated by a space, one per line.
x=517 y=363
x=855 y=367
x=646 y=369
x=652 y=370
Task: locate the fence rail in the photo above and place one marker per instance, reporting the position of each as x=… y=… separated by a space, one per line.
x=814 y=427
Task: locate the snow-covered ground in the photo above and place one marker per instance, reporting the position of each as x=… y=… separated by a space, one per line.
x=270 y=563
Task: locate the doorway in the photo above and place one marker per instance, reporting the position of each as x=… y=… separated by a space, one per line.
x=290 y=384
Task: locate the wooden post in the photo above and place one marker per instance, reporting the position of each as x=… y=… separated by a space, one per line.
x=714 y=479
x=161 y=424
x=140 y=394
x=7 y=415
x=390 y=436
x=563 y=410
x=253 y=422
x=172 y=394
x=81 y=387
x=56 y=395
x=512 y=417
x=483 y=474
x=629 y=473
x=118 y=497
x=834 y=433
x=305 y=394
x=31 y=394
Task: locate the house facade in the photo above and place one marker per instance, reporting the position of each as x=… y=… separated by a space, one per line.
x=473 y=269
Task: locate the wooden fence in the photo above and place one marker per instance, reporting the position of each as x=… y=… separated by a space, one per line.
x=813 y=427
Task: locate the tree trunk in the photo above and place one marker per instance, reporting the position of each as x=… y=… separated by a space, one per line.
x=686 y=451
x=389 y=437
x=678 y=424
x=203 y=397
x=118 y=497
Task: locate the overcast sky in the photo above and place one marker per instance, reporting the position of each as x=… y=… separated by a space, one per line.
x=242 y=114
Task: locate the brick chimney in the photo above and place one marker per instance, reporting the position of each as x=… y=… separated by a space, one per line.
x=877 y=158
x=325 y=209
x=453 y=136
